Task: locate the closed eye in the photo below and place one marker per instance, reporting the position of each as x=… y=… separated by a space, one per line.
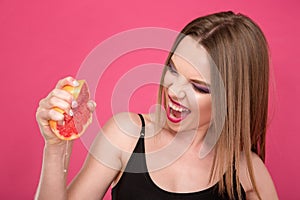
x=171 y=68
x=200 y=88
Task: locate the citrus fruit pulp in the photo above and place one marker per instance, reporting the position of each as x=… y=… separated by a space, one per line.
x=74 y=126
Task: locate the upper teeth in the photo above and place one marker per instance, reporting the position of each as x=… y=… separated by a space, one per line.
x=177 y=108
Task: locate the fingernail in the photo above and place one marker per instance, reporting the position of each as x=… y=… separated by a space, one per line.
x=74 y=104
x=71 y=113
x=75 y=83
x=92 y=104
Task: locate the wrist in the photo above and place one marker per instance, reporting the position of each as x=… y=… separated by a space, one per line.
x=58 y=148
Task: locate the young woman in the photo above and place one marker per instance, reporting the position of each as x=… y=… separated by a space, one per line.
x=207 y=141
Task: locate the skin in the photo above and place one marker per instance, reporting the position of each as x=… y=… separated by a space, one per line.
x=188 y=173
x=188 y=61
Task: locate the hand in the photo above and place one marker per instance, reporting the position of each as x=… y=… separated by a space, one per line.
x=56 y=98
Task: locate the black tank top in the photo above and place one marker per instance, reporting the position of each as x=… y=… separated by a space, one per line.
x=136 y=183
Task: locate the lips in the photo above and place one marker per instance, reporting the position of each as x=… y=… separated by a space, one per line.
x=175 y=111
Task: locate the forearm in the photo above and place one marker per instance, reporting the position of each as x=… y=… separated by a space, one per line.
x=52 y=183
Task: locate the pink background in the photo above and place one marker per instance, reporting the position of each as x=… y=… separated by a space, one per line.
x=42 y=41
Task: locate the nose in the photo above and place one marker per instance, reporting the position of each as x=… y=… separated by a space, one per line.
x=177 y=90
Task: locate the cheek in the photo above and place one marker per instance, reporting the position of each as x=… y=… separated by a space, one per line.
x=168 y=79
x=205 y=107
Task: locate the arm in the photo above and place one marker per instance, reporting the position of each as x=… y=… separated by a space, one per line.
x=103 y=163
x=107 y=157
x=101 y=167
x=93 y=179
x=53 y=178
x=263 y=180
x=52 y=184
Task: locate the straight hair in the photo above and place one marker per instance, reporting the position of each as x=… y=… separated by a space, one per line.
x=239 y=50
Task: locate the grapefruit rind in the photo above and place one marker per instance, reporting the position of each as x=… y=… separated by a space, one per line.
x=75 y=91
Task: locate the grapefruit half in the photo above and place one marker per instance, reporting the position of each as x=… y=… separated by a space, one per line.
x=74 y=126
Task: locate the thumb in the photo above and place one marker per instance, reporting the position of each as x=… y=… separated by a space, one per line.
x=91 y=105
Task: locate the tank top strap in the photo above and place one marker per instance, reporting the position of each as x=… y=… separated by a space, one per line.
x=137 y=161
x=142 y=133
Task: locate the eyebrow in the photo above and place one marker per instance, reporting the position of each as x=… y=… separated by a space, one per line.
x=193 y=80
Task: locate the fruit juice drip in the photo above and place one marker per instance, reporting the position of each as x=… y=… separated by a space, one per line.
x=65 y=158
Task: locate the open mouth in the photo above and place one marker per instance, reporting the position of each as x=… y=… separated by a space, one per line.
x=175 y=111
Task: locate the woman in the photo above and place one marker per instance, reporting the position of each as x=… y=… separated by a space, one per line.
x=214 y=90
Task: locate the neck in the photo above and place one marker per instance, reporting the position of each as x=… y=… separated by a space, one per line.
x=194 y=139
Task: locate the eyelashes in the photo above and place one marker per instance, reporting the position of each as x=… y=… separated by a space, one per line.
x=201 y=89
x=197 y=87
x=171 y=68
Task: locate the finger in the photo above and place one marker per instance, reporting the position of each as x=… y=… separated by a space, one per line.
x=43 y=103
x=44 y=115
x=67 y=81
x=60 y=103
x=54 y=101
x=40 y=115
x=91 y=105
x=61 y=94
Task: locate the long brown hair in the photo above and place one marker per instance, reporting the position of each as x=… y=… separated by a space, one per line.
x=239 y=50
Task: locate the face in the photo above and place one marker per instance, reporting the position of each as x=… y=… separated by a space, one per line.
x=187 y=88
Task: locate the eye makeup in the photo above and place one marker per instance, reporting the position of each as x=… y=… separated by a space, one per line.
x=171 y=68
x=199 y=86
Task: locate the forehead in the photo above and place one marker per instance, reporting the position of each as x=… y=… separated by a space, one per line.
x=190 y=54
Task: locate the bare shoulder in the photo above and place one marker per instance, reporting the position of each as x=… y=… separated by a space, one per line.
x=121 y=130
x=118 y=136
x=104 y=161
x=263 y=179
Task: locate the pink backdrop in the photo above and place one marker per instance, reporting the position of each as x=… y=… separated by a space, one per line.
x=42 y=41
